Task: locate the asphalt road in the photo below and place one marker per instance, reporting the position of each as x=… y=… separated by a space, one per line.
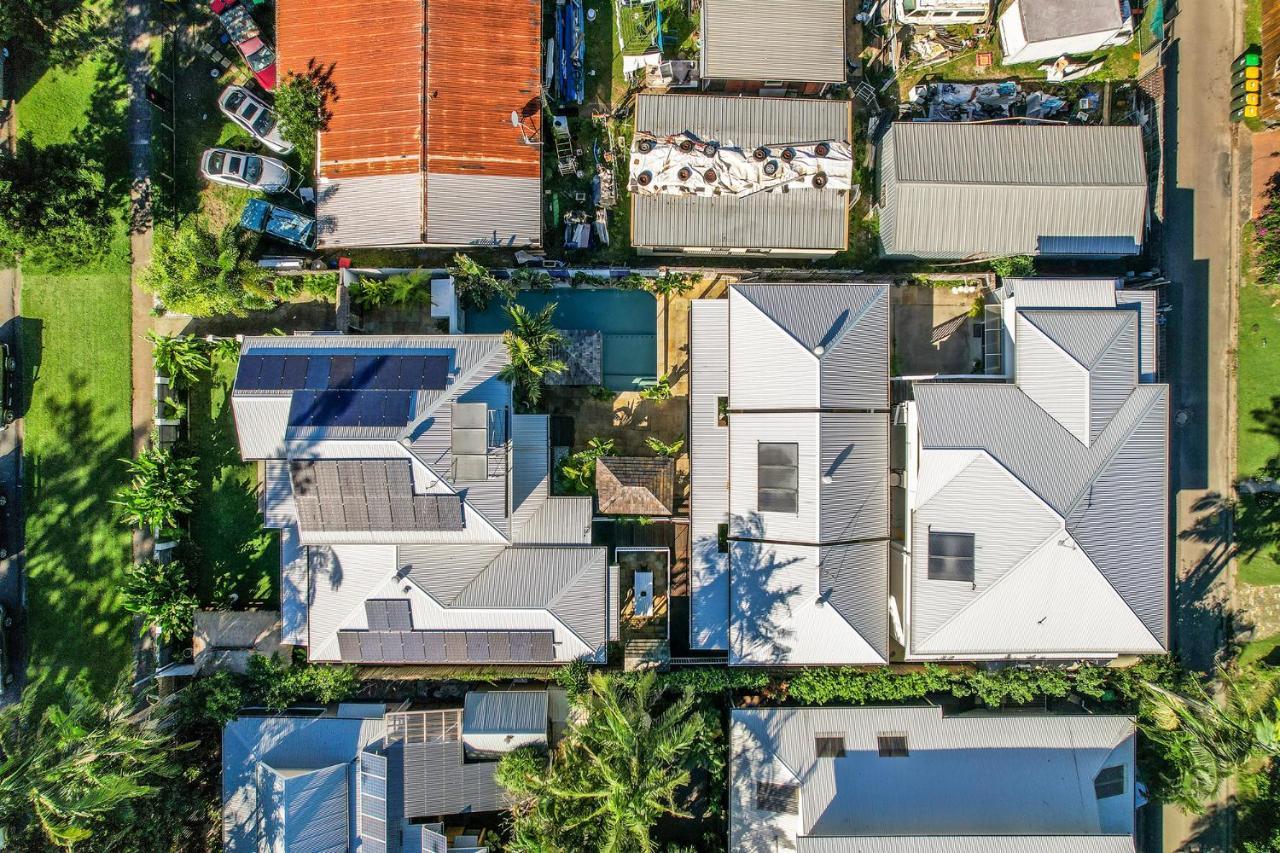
x=1200 y=259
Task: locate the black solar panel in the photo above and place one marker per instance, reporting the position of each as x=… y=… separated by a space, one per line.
x=388 y=614
x=350 y=408
x=392 y=646
x=342 y=372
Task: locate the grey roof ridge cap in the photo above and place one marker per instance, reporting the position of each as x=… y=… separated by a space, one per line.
x=1105 y=459
x=551 y=605
x=1127 y=316
x=852 y=324
x=1012 y=569
x=934 y=182
x=854 y=628
x=1119 y=595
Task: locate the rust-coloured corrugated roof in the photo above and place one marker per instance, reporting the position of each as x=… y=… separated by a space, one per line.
x=483 y=61
x=376 y=51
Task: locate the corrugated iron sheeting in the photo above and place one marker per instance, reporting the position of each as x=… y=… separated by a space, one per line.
x=483 y=209
x=372 y=210
x=483 y=61
x=792 y=40
x=374 y=54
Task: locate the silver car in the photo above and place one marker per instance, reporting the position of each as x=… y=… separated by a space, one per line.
x=249 y=171
x=256 y=118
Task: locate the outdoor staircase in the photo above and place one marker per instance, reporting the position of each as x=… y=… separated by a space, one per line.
x=642 y=653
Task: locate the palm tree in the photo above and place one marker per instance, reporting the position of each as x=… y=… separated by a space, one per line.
x=72 y=769
x=615 y=773
x=1203 y=741
x=161 y=487
x=532 y=343
x=476 y=285
x=161 y=593
x=180 y=357
x=662 y=448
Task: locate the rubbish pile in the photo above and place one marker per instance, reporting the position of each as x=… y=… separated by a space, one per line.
x=686 y=165
x=986 y=102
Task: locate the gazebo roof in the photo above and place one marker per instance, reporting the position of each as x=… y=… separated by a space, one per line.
x=636 y=485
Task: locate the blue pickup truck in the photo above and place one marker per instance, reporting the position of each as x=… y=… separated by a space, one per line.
x=284 y=225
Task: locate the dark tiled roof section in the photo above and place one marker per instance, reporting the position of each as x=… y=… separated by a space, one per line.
x=636 y=485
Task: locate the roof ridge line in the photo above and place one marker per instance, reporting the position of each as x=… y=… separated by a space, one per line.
x=779 y=326
x=1112 y=587
x=1107 y=458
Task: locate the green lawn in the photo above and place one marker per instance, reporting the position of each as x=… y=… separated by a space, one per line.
x=1258 y=650
x=1257 y=393
x=75 y=342
x=227 y=539
x=76 y=350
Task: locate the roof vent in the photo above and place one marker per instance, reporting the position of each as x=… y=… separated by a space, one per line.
x=644 y=178
x=822 y=149
x=819 y=180
x=711 y=149
x=771 y=168
x=819 y=349
x=645 y=145
x=686 y=145
x=709 y=176
x=685 y=173
x=788 y=154
x=760 y=154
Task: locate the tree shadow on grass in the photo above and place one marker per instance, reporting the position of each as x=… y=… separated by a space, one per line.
x=76 y=548
x=227 y=546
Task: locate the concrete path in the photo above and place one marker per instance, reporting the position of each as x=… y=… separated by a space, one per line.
x=1201 y=258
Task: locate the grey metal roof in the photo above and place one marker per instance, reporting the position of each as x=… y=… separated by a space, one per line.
x=1044 y=20
x=708 y=473
x=854 y=579
x=483 y=210
x=813 y=219
x=792 y=40
x=279 y=749
x=437 y=780
x=848 y=322
x=505 y=712
x=1104 y=486
x=854 y=455
x=1061 y=292
x=967 y=775
x=373 y=495
x=372 y=210
x=1048 y=190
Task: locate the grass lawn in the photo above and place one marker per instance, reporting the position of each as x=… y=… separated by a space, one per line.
x=75 y=342
x=76 y=352
x=1258 y=650
x=1257 y=390
x=227 y=538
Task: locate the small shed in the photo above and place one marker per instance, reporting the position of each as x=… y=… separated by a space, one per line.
x=1039 y=30
x=636 y=485
x=497 y=722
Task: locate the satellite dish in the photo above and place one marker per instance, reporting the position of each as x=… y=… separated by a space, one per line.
x=515 y=119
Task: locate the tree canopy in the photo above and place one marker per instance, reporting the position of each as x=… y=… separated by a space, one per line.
x=619 y=769
x=54 y=207
x=203 y=272
x=78 y=769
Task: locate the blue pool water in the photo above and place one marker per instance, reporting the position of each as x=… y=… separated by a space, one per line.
x=628 y=320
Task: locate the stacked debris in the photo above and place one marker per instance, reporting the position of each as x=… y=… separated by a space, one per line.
x=683 y=165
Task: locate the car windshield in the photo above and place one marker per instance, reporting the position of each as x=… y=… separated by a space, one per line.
x=252 y=169
x=234 y=100
x=216 y=159
x=265 y=124
x=263 y=58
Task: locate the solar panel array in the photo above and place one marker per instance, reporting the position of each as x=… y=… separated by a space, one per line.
x=339 y=495
x=373 y=802
x=342 y=372
x=351 y=408
x=447 y=646
x=388 y=614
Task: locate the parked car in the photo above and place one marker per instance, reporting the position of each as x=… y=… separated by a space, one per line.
x=255 y=117
x=247 y=38
x=239 y=169
x=8 y=385
x=6 y=664
x=275 y=221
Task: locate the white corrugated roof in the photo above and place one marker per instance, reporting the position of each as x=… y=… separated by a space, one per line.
x=798 y=41
x=977 y=774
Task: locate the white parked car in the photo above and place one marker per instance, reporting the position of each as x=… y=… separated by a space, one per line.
x=255 y=117
x=249 y=171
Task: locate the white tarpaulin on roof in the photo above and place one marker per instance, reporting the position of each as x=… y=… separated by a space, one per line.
x=684 y=165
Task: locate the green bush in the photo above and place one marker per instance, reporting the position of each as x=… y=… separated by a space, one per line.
x=846 y=684
x=1017 y=266
x=163 y=594
x=576 y=473
x=476 y=286
x=276 y=685
x=301 y=102
x=160 y=491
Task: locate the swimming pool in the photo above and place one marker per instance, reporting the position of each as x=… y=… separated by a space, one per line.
x=628 y=320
